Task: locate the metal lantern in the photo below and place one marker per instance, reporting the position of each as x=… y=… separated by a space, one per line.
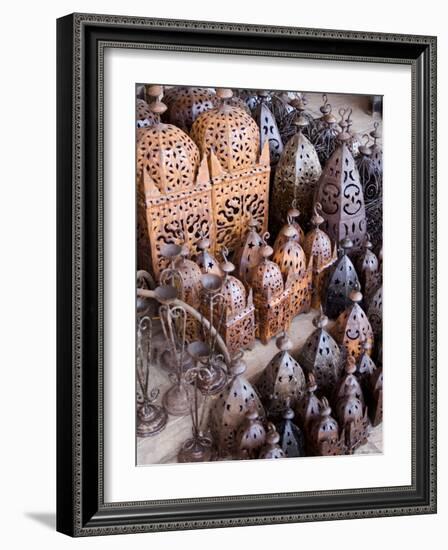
x=326 y=132
x=376 y=400
x=296 y=176
x=320 y=356
x=292 y=440
x=291 y=259
x=342 y=280
x=324 y=438
x=365 y=369
x=340 y=193
x=349 y=382
x=292 y=216
x=271 y=297
x=299 y=105
x=186 y=103
x=282 y=381
x=151 y=418
x=144 y=115
x=375 y=313
x=269 y=131
x=352 y=327
x=174 y=189
x=206 y=261
x=368 y=263
x=310 y=406
x=272 y=448
x=229 y=139
x=318 y=247
x=230 y=407
x=353 y=143
x=353 y=419
x=248 y=255
x=251 y=435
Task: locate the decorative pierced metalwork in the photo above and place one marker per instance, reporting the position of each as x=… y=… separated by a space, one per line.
x=365 y=369
x=349 y=382
x=299 y=105
x=282 y=382
x=353 y=419
x=296 y=176
x=324 y=137
x=375 y=313
x=206 y=261
x=340 y=193
x=376 y=400
x=324 y=434
x=248 y=255
x=343 y=279
x=144 y=115
x=230 y=407
x=367 y=264
x=186 y=103
x=321 y=356
x=229 y=138
x=251 y=435
x=151 y=418
x=352 y=328
x=310 y=406
x=269 y=131
x=272 y=448
x=271 y=297
x=292 y=441
x=292 y=216
x=353 y=143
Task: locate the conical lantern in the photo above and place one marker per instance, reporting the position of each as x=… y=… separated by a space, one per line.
x=296 y=176
x=309 y=407
x=320 y=355
x=349 y=383
x=342 y=280
x=317 y=246
x=269 y=131
x=206 y=261
x=248 y=255
x=353 y=419
x=365 y=369
x=186 y=103
x=291 y=259
x=367 y=262
x=325 y=438
x=292 y=216
x=292 y=440
x=230 y=407
x=283 y=380
x=326 y=132
x=299 y=105
x=375 y=313
x=272 y=448
x=339 y=191
x=251 y=435
x=352 y=328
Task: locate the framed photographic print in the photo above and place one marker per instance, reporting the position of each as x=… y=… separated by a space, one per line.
x=246 y=272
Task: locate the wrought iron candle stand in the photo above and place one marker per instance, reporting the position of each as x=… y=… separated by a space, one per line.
x=342 y=280
x=269 y=132
x=320 y=356
x=282 y=381
x=151 y=418
x=326 y=132
x=251 y=436
x=272 y=448
x=292 y=216
x=248 y=255
x=325 y=438
x=292 y=441
x=145 y=306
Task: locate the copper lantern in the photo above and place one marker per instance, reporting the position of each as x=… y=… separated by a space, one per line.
x=186 y=103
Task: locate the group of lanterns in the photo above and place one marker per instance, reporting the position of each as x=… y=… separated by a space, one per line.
x=203 y=200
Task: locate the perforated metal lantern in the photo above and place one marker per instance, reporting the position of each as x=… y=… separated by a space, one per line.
x=340 y=193
x=375 y=313
x=272 y=448
x=292 y=441
x=308 y=409
x=206 y=261
x=251 y=436
x=282 y=382
x=365 y=369
x=269 y=132
x=230 y=407
x=376 y=403
x=326 y=132
x=248 y=255
x=367 y=262
x=186 y=103
x=320 y=355
x=342 y=280
x=144 y=114
x=352 y=328
x=296 y=176
x=353 y=419
x=291 y=219
x=325 y=438
x=349 y=382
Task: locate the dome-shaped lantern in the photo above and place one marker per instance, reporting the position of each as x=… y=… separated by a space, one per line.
x=186 y=103
x=310 y=406
x=320 y=355
x=144 y=115
x=271 y=297
x=326 y=132
x=291 y=259
x=272 y=448
x=282 y=381
x=296 y=176
x=230 y=140
x=352 y=327
x=367 y=263
x=288 y=127
x=317 y=246
x=230 y=407
x=339 y=191
x=206 y=261
x=292 y=216
x=365 y=369
x=349 y=383
x=269 y=131
x=292 y=441
x=251 y=435
x=324 y=434
x=375 y=313
x=248 y=255
x=174 y=188
x=353 y=419
x=342 y=280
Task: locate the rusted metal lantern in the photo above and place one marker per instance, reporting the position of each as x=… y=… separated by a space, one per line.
x=376 y=399
x=352 y=328
x=365 y=369
x=230 y=407
x=206 y=261
x=229 y=139
x=299 y=105
x=367 y=263
x=349 y=382
x=251 y=435
x=309 y=407
x=186 y=103
x=320 y=356
x=326 y=132
x=144 y=115
x=271 y=297
x=375 y=313
x=325 y=438
x=269 y=132
x=342 y=280
x=292 y=216
x=340 y=193
x=248 y=255
x=317 y=246
x=293 y=263
x=292 y=440
x=353 y=143
x=272 y=448
x=296 y=176
x=353 y=419
x=283 y=380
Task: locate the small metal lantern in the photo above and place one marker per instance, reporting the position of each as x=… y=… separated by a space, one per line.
x=365 y=369
x=272 y=448
x=320 y=355
x=145 y=116
x=151 y=418
x=342 y=281
x=310 y=406
x=353 y=143
x=296 y=176
x=248 y=255
x=375 y=313
x=299 y=105
x=292 y=441
x=269 y=131
x=352 y=327
x=292 y=216
x=186 y=103
x=230 y=407
x=326 y=132
x=282 y=382
x=349 y=383
x=324 y=436
x=206 y=261
x=367 y=263
x=353 y=419
x=251 y=435
x=376 y=401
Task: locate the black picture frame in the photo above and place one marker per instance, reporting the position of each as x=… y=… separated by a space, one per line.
x=81 y=510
